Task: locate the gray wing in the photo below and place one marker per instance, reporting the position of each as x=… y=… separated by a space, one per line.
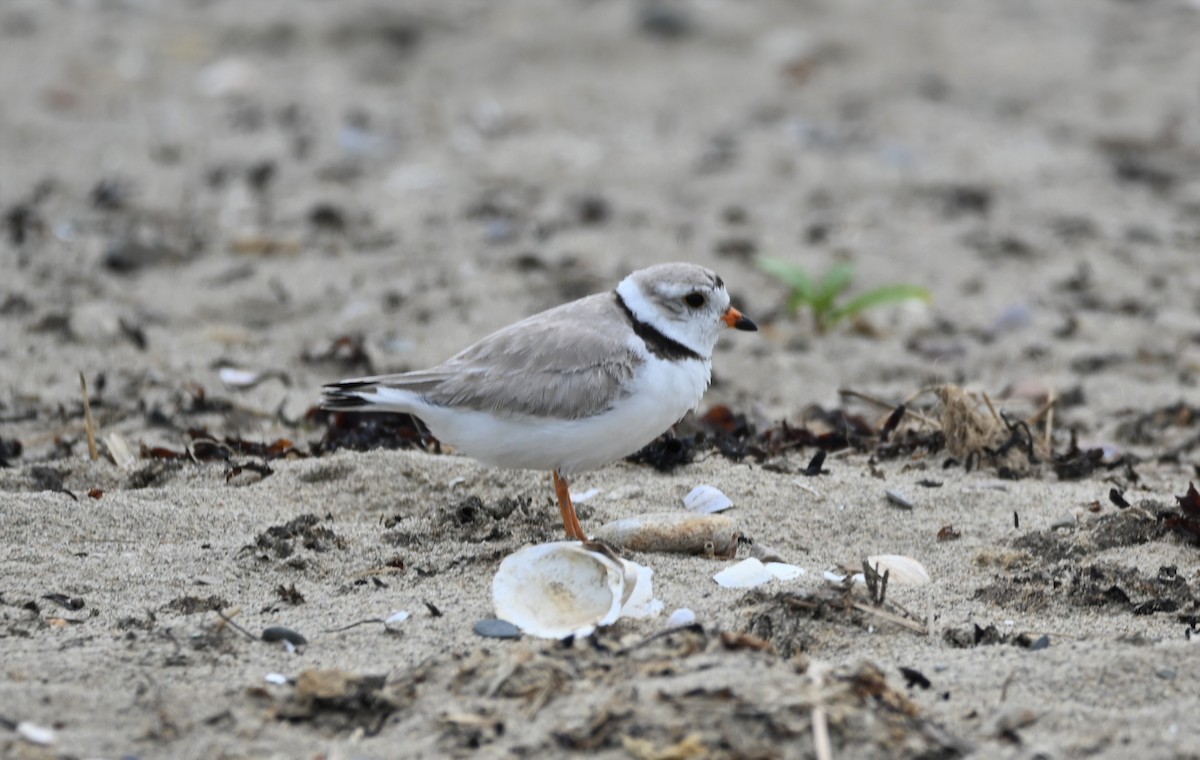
x=568 y=362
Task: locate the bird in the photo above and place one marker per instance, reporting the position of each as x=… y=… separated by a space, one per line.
x=571 y=388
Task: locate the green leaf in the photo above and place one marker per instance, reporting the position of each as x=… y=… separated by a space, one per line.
x=792 y=275
x=888 y=294
x=831 y=286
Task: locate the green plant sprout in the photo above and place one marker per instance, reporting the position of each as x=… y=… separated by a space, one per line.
x=822 y=296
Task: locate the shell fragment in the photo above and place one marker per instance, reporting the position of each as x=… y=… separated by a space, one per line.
x=118 y=449
x=751 y=572
x=35 y=734
x=681 y=617
x=902 y=571
x=706 y=500
x=393 y=621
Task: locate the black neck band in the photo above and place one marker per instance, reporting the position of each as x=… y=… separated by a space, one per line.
x=656 y=343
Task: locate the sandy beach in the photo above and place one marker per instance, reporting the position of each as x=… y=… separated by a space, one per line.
x=212 y=208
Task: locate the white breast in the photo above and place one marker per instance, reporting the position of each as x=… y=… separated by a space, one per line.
x=660 y=393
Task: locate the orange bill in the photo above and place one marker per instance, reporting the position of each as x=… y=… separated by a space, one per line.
x=738 y=320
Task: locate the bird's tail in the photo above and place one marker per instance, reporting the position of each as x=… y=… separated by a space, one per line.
x=351 y=395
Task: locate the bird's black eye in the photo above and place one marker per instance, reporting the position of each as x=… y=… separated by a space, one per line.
x=695 y=300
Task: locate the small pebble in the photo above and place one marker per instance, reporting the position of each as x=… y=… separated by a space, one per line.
x=899 y=499
x=1043 y=642
x=279 y=633
x=277 y=679
x=497 y=629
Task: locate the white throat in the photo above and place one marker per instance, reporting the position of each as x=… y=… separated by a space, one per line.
x=647 y=313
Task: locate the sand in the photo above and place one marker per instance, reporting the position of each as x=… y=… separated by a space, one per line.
x=191 y=186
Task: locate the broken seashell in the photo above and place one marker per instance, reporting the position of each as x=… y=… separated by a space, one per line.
x=565 y=588
x=239 y=378
x=579 y=498
x=752 y=572
x=783 y=571
x=672 y=532
x=233 y=377
x=681 y=617
x=838 y=578
x=33 y=733
x=904 y=571
x=746 y=574
x=641 y=603
x=118 y=449
x=898 y=498
x=706 y=500
x=393 y=621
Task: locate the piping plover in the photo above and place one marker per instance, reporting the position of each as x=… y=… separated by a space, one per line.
x=571 y=388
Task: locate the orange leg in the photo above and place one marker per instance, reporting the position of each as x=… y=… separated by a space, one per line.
x=570 y=521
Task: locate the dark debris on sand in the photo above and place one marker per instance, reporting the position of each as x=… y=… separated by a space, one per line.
x=365 y=431
x=306 y=531
x=734 y=437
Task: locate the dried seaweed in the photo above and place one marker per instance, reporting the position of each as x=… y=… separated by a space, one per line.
x=1187 y=519
x=341 y=701
x=976 y=635
x=49 y=479
x=365 y=431
x=281 y=540
x=667 y=452
x=10 y=449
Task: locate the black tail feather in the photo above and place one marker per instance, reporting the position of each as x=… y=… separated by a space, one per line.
x=345 y=395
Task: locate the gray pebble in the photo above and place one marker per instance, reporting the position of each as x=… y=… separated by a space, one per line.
x=279 y=633
x=497 y=629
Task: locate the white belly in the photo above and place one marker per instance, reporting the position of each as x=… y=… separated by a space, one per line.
x=661 y=394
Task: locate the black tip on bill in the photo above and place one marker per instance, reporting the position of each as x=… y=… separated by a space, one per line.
x=745 y=323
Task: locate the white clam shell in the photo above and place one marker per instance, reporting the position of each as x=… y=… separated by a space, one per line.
x=902 y=571
x=706 y=500
x=567 y=588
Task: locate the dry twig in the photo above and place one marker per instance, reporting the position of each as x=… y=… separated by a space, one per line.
x=89 y=423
